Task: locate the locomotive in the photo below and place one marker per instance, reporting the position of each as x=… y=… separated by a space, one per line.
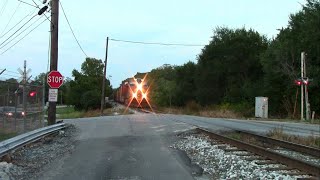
x=134 y=92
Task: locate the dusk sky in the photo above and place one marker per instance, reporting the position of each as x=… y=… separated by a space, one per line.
x=165 y=21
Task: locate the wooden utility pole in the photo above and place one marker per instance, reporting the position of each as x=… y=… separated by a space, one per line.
x=54 y=25
x=24 y=93
x=302 y=74
x=306 y=94
x=104 y=80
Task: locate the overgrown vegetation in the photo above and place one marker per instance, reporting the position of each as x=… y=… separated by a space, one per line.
x=4 y=135
x=239 y=64
x=278 y=133
x=72 y=113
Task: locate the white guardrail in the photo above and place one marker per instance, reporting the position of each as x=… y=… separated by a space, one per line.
x=20 y=140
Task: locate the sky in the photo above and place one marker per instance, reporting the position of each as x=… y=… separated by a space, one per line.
x=165 y=21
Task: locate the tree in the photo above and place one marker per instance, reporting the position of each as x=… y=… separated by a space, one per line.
x=185 y=83
x=281 y=62
x=86 y=86
x=162 y=81
x=229 y=67
x=41 y=79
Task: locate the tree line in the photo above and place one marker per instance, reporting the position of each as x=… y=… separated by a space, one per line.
x=240 y=64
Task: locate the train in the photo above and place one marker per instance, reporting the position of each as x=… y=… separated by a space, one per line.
x=134 y=92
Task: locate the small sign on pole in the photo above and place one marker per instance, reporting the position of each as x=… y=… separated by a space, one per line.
x=53 y=95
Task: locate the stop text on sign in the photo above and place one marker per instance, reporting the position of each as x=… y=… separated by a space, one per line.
x=54 y=79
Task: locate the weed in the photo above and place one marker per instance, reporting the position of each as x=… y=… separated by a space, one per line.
x=278 y=133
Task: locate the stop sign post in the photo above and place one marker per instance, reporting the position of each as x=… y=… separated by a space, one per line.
x=54 y=79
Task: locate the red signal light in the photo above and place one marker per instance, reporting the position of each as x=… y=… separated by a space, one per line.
x=298 y=82
x=32 y=93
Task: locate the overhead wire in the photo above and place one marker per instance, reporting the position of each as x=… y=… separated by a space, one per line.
x=155 y=43
x=3 y=7
x=37 y=6
x=1 y=47
x=72 y=29
x=23 y=37
x=17 y=24
x=10 y=18
x=27 y=3
x=18 y=29
x=8 y=71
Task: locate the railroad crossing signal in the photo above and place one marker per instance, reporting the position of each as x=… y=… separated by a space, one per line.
x=32 y=93
x=54 y=79
x=301 y=81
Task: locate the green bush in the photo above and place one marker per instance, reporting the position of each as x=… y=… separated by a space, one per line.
x=90 y=100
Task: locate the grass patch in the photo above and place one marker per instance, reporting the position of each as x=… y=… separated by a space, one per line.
x=235 y=136
x=4 y=136
x=65 y=110
x=71 y=113
x=214 y=111
x=278 y=133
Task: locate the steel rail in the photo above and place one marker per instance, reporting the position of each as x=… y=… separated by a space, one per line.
x=280 y=158
x=23 y=139
x=285 y=144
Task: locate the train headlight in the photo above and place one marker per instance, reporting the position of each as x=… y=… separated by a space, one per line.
x=134 y=95
x=144 y=96
x=139 y=86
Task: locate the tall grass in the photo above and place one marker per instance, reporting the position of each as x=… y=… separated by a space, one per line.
x=6 y=135
x=278 y=133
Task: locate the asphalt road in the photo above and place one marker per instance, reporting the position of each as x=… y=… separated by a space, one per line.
x=260 y=127
x=137 y=146
x=123 y=147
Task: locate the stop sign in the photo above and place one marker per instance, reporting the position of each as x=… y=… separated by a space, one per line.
x=54 y=79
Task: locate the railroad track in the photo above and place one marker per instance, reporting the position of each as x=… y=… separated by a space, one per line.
x=268 y=155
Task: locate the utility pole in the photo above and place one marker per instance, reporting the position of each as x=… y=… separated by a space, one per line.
x=61 y=97
x=306 y=79
x=302 y=85
x=302 y=74
x=54 y=25
x=8 y=95
x=24 y=93
x=104 y=79
x=43 y=99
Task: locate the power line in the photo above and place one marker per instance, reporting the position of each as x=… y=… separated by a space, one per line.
x=37 y=6
x=10 y=18
x=17 y=24
x=24 y=36
x=3 y=7
x=27 y=3
x=155 y=43
x=18 y=29
x=71 y=29
x=1 y=47
x=10 y=72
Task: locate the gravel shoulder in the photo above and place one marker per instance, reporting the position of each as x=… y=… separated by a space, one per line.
x=217 y=163
x=28 y=161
